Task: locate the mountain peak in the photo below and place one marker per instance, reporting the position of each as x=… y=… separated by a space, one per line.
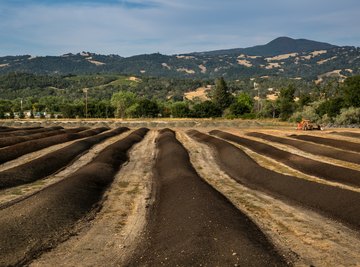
x=285 y=45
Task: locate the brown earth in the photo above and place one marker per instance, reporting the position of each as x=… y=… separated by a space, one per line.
x=303 y=236
x=191 y=224
x=13 y=140
x=343 y=144
x=112 y=235
x=13 y=130
x=349 y=134
x=306 y=165
x=15 y=151
x=21 y=132
x=41 y=221
x=311 y=147
x=52 y=162
x=334 y=202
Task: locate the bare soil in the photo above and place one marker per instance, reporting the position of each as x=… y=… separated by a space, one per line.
x=39 y=222
x=343 y=144
x=191 y=224
x=303 y=236
x=15 y=151
x=311 y=147
x=331 y=201
x=113 y=234
x=16 y=194
x=306 y=165
x=50 y=163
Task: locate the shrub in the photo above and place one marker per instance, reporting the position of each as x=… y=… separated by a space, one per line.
x=348 y=116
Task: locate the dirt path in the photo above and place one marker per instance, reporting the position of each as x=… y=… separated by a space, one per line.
x=303 y=235
x=111 y=236
x=191 y=224
x=12 y=195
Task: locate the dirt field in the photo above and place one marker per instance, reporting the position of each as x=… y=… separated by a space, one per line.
x=240 y=196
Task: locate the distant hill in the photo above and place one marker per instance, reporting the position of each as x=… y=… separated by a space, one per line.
x=281 y=45
x=284 y=57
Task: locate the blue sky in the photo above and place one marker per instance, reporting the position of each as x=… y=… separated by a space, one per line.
x=131 y=27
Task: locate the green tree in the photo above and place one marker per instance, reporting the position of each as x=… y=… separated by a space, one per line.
x=220 y=95
x=243 y=104
x=351 y=91
x=286 y=102
x=180 y=110
x=147 y=108
x=121 y=101
x=206 y=109
x=330 y=107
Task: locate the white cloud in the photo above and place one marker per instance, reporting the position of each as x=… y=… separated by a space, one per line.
x=141 y=26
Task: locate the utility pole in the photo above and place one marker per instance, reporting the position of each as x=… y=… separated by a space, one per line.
x=258 y=95
x=85 y=90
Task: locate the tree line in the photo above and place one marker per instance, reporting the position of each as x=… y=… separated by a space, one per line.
x=333 y=102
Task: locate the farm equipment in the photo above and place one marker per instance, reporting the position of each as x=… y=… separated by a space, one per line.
x=307 y=125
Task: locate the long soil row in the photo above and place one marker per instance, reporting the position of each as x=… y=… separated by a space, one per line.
x=311 y=147
x=13 y=130
x=306 y=165
x=41 y=221
x=348 y=134
x=26 y=132
x=342 y=144
x=191 y=224
x=15 y=151
x=52 y=162
x=13 y=140
x=334 y=202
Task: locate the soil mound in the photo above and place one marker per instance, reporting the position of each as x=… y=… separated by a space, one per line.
x=41 y=221
x=332 y=201
x=191 y=224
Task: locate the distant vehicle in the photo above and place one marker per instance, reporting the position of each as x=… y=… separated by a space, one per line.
x=307 y=125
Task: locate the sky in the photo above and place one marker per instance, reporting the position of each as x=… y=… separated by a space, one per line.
x=132 y=27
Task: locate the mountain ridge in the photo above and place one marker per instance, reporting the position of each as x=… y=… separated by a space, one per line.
x=282 y=56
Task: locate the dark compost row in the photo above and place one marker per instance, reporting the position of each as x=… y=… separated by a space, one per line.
x=305 y=165
x=25 y=132
x=51 y=162
x=15 y=151
x=332 y=201
x=192 y=224
x=311 y=148
x=13 y=140
x=39 y=222
x=342 y=144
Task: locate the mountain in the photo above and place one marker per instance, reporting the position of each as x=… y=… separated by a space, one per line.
x=278 y=46
x=284 y=56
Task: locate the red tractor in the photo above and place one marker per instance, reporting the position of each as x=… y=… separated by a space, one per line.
x=306 y=125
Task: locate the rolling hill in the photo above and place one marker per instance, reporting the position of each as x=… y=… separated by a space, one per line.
x=284 y=56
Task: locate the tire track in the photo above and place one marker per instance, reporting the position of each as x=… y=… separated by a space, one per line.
x=303 y=164
x=41 y=221
x=334 y=202
x=191 y=224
